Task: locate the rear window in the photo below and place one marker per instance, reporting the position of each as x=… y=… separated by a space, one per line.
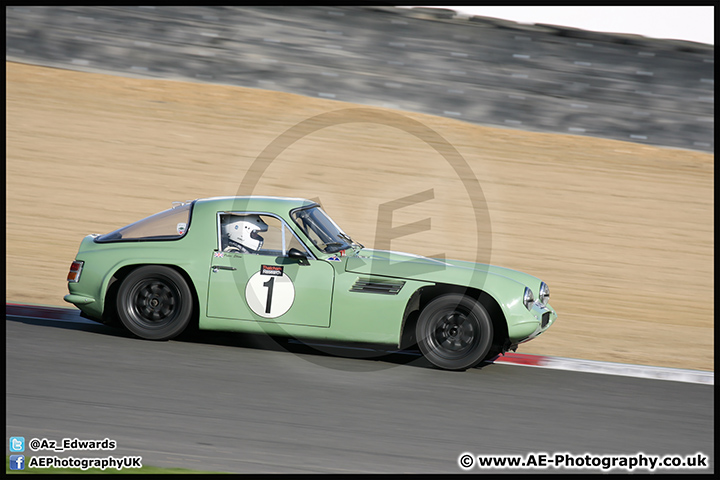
x=168 y=225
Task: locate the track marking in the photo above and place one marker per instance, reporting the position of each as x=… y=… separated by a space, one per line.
x=609 y=368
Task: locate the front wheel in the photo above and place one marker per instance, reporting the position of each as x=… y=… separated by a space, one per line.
x=155 y=303
x=454 y=332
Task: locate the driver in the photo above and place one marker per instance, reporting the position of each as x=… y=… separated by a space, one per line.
x=242 y=234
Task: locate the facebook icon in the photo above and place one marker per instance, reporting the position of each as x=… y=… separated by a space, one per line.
x=17 y=462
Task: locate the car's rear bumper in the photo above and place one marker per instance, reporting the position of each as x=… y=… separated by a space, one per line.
x=89 y=306
x=78 y=299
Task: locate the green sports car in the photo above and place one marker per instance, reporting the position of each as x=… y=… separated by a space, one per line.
x=281 y=266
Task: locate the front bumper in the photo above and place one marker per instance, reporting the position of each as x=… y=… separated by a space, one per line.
x=533 y=322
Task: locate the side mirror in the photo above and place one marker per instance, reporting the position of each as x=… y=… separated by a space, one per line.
x=299 y=256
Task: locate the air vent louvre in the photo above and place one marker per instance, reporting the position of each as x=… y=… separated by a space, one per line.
x=385 y=287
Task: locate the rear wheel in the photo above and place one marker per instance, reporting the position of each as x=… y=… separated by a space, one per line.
x=454 y=332
x=155 y=303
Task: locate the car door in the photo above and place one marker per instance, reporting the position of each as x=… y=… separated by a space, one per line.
x=266 y=284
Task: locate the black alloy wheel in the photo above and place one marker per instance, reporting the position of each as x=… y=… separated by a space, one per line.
x=155 y=303
x=454 y=332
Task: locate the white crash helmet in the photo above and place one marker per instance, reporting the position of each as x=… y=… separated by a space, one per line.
x=245 y=230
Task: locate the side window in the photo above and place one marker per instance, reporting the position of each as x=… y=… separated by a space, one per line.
x=256 y=234
x=292 y=242
x=167 y=225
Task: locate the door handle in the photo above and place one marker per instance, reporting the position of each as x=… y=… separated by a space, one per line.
x=215 y=268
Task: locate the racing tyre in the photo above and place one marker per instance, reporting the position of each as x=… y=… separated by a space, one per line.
x=454 y=332
x=155 y=303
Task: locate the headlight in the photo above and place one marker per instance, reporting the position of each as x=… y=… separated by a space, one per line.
x=528 y=298
x=544 y=294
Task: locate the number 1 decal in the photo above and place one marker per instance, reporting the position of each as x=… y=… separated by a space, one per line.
x=270 y=293
x=269 y=284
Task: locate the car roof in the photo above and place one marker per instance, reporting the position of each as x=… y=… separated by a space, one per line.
x=256 y=203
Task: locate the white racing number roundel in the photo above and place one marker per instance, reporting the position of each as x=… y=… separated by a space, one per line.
x=270 y=293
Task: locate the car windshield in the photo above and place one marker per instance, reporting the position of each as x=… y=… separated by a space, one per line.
x=321 y=230
x=168 y=225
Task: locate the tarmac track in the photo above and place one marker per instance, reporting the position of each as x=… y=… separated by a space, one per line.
x=224 y=402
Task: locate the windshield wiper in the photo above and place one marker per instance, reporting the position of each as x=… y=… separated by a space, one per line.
x=345 y=236
x=335 y=247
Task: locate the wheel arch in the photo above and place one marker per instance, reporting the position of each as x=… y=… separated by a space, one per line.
x=424 y=295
